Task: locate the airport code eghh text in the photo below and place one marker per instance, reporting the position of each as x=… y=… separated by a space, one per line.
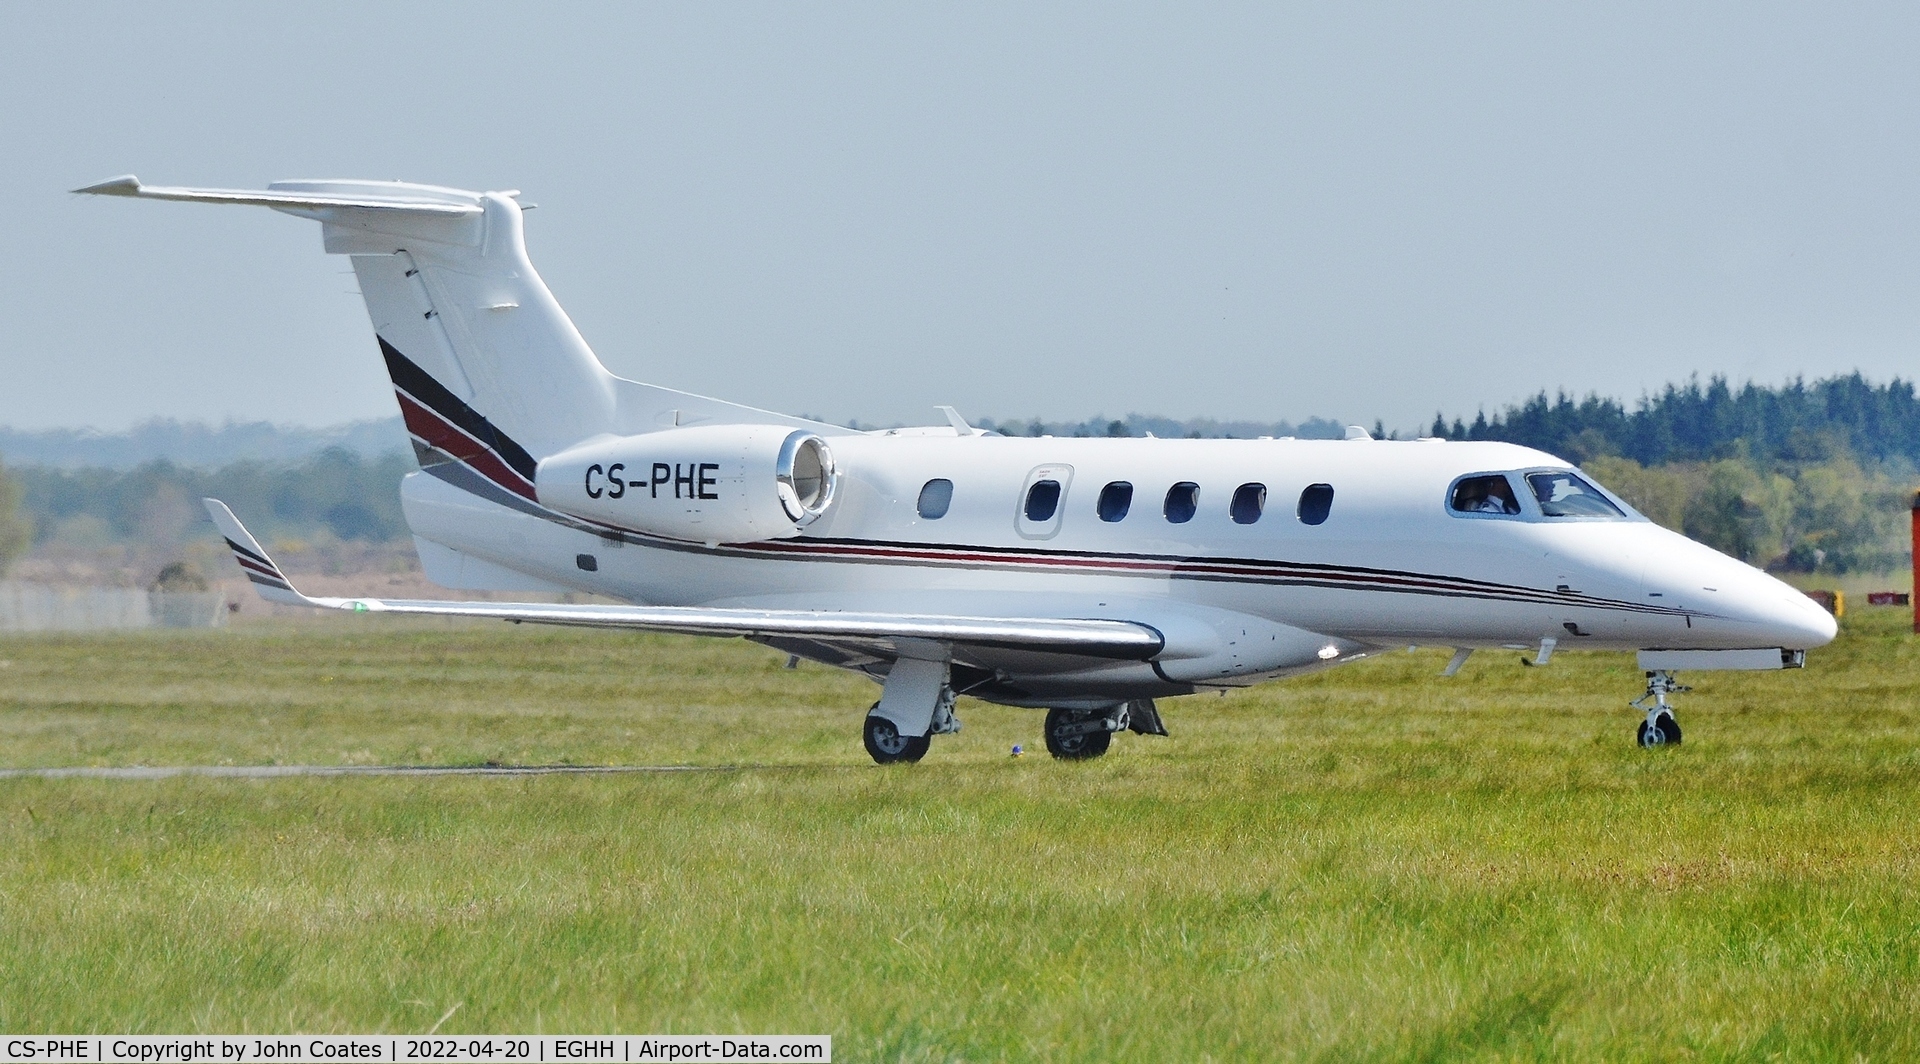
x=403 y=1049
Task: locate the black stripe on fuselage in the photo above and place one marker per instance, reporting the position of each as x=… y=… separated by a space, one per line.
x=1261 y=571
x=435 y=396
x=1177 y=567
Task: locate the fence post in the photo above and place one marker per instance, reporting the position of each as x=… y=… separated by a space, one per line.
x=1915 y=600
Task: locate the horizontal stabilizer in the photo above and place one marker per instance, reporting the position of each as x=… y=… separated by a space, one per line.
x=402 y=198
x=1091 y=637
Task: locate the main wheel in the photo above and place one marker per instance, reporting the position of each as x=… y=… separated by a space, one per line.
x=1064 y=742
x=886 y=745
x=1664 y=731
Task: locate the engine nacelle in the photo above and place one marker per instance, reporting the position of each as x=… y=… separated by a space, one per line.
x=710 y=483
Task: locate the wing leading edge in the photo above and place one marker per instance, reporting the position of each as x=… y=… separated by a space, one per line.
x=1090 y=637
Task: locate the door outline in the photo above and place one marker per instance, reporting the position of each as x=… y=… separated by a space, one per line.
x=1051 y=527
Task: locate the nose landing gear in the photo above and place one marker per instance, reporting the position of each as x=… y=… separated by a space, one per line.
x=1659 y=729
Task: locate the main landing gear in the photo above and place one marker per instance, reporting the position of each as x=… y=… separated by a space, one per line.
x=1079 y=734
x=916 y=704
x=887 y=746
x=1659 y=729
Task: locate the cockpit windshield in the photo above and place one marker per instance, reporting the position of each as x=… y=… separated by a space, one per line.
x=1564 y=494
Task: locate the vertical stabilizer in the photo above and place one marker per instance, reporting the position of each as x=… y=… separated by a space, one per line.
x=462 y=302
x=490 y=373
x=489 y=370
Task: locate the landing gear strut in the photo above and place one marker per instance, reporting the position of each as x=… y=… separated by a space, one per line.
x=886 y=745
x=1659 y=729
x=916 y=704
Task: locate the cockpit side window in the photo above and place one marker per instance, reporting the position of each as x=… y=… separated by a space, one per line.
x=1490 y=494
x=1565 y=494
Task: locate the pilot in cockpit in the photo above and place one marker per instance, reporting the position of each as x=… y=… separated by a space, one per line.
x=1485 y=495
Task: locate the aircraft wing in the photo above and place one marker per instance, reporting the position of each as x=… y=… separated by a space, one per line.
x=1090 y=637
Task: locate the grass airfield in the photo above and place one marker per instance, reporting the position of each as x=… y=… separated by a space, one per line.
x=1371 y=863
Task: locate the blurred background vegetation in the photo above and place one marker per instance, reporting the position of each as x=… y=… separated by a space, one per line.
x=1804 y=477
x=335 y=494
x=16 y=534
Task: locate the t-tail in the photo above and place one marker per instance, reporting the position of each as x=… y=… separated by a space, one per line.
x=489 y=371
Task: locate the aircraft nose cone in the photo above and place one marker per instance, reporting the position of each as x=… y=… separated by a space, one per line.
x=1739 y=606
x=1785 y=616
x=1806 y=622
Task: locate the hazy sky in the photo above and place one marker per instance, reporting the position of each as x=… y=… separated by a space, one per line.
x=1349 y=210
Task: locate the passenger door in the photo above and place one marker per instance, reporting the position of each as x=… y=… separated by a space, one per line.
x=1043 y=501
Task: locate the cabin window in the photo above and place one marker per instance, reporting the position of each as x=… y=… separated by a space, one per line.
x=1316 y=502
x=1248 y=501
x=1115 y=500
x=935 y=496
x=1183 y=501
x=1042 y=500
x=1567 y=495
x=1483 y=495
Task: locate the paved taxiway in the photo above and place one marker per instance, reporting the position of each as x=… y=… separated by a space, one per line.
x=158 y=772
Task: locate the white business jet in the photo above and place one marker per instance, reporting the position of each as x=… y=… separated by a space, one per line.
x=1086 y=577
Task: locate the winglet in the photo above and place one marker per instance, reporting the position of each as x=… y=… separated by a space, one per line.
x=268 y=580
x=960 y=426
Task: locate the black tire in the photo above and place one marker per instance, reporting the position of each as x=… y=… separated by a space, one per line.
x=887 y=746
x=1669 y=728
x=1665 y=731
x=1076 y=747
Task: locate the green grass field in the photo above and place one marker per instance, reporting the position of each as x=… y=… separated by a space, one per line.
x=1372 y=863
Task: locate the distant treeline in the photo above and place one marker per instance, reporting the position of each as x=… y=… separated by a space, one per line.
x=195 y=443
x=1793 y=422
x=334 y=493
x=1811 y=477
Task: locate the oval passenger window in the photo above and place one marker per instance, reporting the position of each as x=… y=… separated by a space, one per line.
x=1042 y=499
x=1183 y=500
x=1115 y=500
x=935 y=497
x=1315 y=503
x=1248 y=502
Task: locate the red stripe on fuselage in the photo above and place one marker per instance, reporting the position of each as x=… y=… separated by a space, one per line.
x=1281 y=569
x=437 y=432
x=1194 y=568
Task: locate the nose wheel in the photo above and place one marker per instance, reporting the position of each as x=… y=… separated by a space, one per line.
x=1661 y=731
x=1660 y=728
